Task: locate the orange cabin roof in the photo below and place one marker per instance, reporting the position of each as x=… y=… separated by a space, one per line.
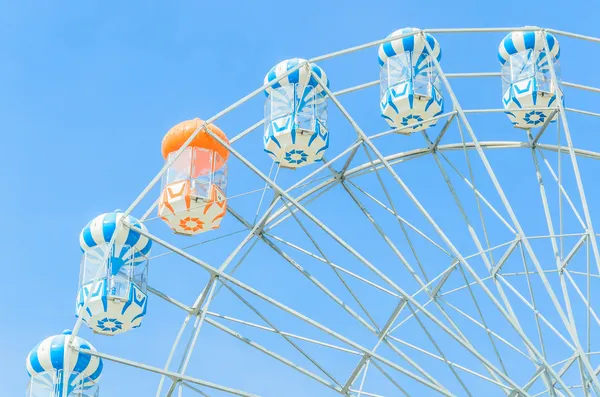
x=176 y=137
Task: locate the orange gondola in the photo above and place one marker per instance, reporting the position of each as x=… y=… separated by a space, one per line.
x=193 y=198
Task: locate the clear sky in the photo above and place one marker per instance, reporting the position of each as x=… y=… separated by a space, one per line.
x=87 y=90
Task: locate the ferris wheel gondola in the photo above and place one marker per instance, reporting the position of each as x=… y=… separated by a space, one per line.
x=193 y=198
x=114 y=274
x=527 y=79
x=296 y=132
x=410 y=87
x=48 y=376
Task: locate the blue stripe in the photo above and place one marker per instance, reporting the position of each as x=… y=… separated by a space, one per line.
x=97 y=372
x=431 y=43
x=551 y=41
x=313 y=137
x=34 y=360
x=388 y=49
x=409 y=43
x=391 y=103
x=424 y=58
x=83 y=359
x=529 y=40
x=322 y=76
x=293 y=77
x=318 y=71
x=57 y=351
x=509 y=46
x=109 y=224
x=87 y=236
x=271 y=76
x=502 y=60
x=146 y=249
x=73 y=385
x=430 y=102
x=103 y=289
x=313 y=81
x=542 y=60
x=276 y=85
x=144 y=304
x=133 y=237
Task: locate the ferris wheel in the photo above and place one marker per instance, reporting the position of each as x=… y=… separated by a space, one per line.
x=408 y=246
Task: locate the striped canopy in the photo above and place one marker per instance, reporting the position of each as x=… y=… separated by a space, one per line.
x=49 y=356
x=99 y=232
x=414 y=44
x=301 y=76
x=516 y=42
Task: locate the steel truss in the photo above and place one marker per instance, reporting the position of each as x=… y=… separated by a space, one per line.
x=486 y=281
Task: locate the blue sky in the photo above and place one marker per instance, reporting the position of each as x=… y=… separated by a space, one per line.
x=89 y=89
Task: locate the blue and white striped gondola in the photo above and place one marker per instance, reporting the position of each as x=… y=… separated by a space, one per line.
x=117 y=299
x=296 y=114
x=46 y=364
x=527 y=78
x=410 y=87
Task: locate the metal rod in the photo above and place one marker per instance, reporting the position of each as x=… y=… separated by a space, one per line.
x=170 y=374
